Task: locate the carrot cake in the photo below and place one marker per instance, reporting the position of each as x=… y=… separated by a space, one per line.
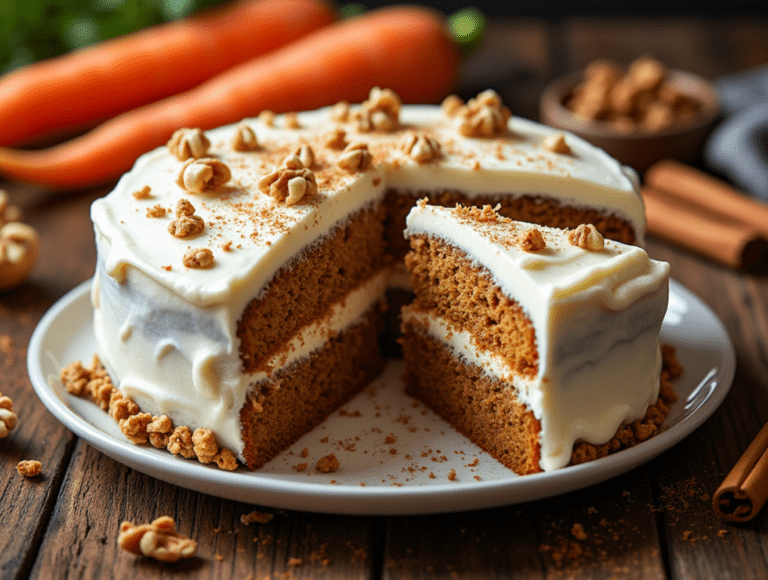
x=527 y=338
x=243 y=272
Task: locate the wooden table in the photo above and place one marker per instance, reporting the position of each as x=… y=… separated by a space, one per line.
x=654 y=522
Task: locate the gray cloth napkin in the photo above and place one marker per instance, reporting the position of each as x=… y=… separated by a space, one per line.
x=738 y=147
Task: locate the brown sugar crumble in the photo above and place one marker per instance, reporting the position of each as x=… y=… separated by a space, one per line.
x=328 y=464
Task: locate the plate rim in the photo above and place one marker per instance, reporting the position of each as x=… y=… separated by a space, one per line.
x=372 y=500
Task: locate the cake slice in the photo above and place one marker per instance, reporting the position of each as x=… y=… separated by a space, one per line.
x=526 y=338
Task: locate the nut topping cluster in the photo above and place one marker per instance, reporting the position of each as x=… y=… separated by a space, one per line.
x=381 y=112
x=139 y=427
x=483 y=116
x=188 y=143
x=586 y=237
x=19 y=246
x=158 y=540
x=198 y=258
x=532 y=241
x=8 y=418
x=290 y=182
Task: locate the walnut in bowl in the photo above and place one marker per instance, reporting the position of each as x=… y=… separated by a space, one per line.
x=639 y=116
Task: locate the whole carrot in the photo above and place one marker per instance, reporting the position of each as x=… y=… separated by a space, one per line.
x=402 y=48
x=101 y=81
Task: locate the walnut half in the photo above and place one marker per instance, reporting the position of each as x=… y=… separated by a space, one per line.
x=19 y=246
x=158 y=540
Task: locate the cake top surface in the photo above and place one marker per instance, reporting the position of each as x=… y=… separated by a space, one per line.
x=228 y=207
x=551 y=264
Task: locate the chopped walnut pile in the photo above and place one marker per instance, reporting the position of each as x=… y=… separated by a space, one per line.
x=8 y=418
x=483 y=116
x=381 y=112
x=139 y=427
x=189 y=143
x=556 y=144
x=290 y=182
x=198 y=258
x=186 y=223
x=29 y=467
x=421 y=148
x=244 y=139
x=642 y=98
x=158 y=540
x=532 y=241
x=203 y=175
x=355 y=157
x=19 y=246
x=586 y=237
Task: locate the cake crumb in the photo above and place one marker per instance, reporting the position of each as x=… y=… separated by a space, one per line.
x=29 y=467
x=305 y=452
x=142 y=193
x=328 y=464
x=452 y=475
x=156 y=211
x=200 y=258
x=577 y=531
x=256 y=517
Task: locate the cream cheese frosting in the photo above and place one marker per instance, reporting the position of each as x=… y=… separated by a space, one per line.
x=596 y=317
x=167 y=332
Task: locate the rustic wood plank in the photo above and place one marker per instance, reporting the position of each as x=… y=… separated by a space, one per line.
x=38 y=435
x=99 y=493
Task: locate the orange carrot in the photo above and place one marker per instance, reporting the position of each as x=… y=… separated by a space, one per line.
x=89 y=85
x=402 y=48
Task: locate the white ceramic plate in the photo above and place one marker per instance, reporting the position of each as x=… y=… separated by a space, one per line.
x=395 y=454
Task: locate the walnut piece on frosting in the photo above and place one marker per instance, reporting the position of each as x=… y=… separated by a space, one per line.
x=355 y=157
x=532 y=241
x=340 y=112
x=556 y=144
x=186 y=223
x=267 y=117
x=336 y=139
x=306 y=154
x=291 y=121
x=483 y=116
x=198 y=258
x=290 y=182
x=19 y=246
x=8 y=418
x=203 y=175
x=381 y=112
x=158 y=540
x=188 y=143
x=587 y=237
x=421 y=148
x=244 y=139
x=451 y=105
x=29 y=467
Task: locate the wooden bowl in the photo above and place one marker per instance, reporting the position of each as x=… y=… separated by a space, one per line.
x=642 y=147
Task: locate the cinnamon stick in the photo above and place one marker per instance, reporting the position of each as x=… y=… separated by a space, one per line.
x=745 y=489
x=709 y=192
x=722 y=239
